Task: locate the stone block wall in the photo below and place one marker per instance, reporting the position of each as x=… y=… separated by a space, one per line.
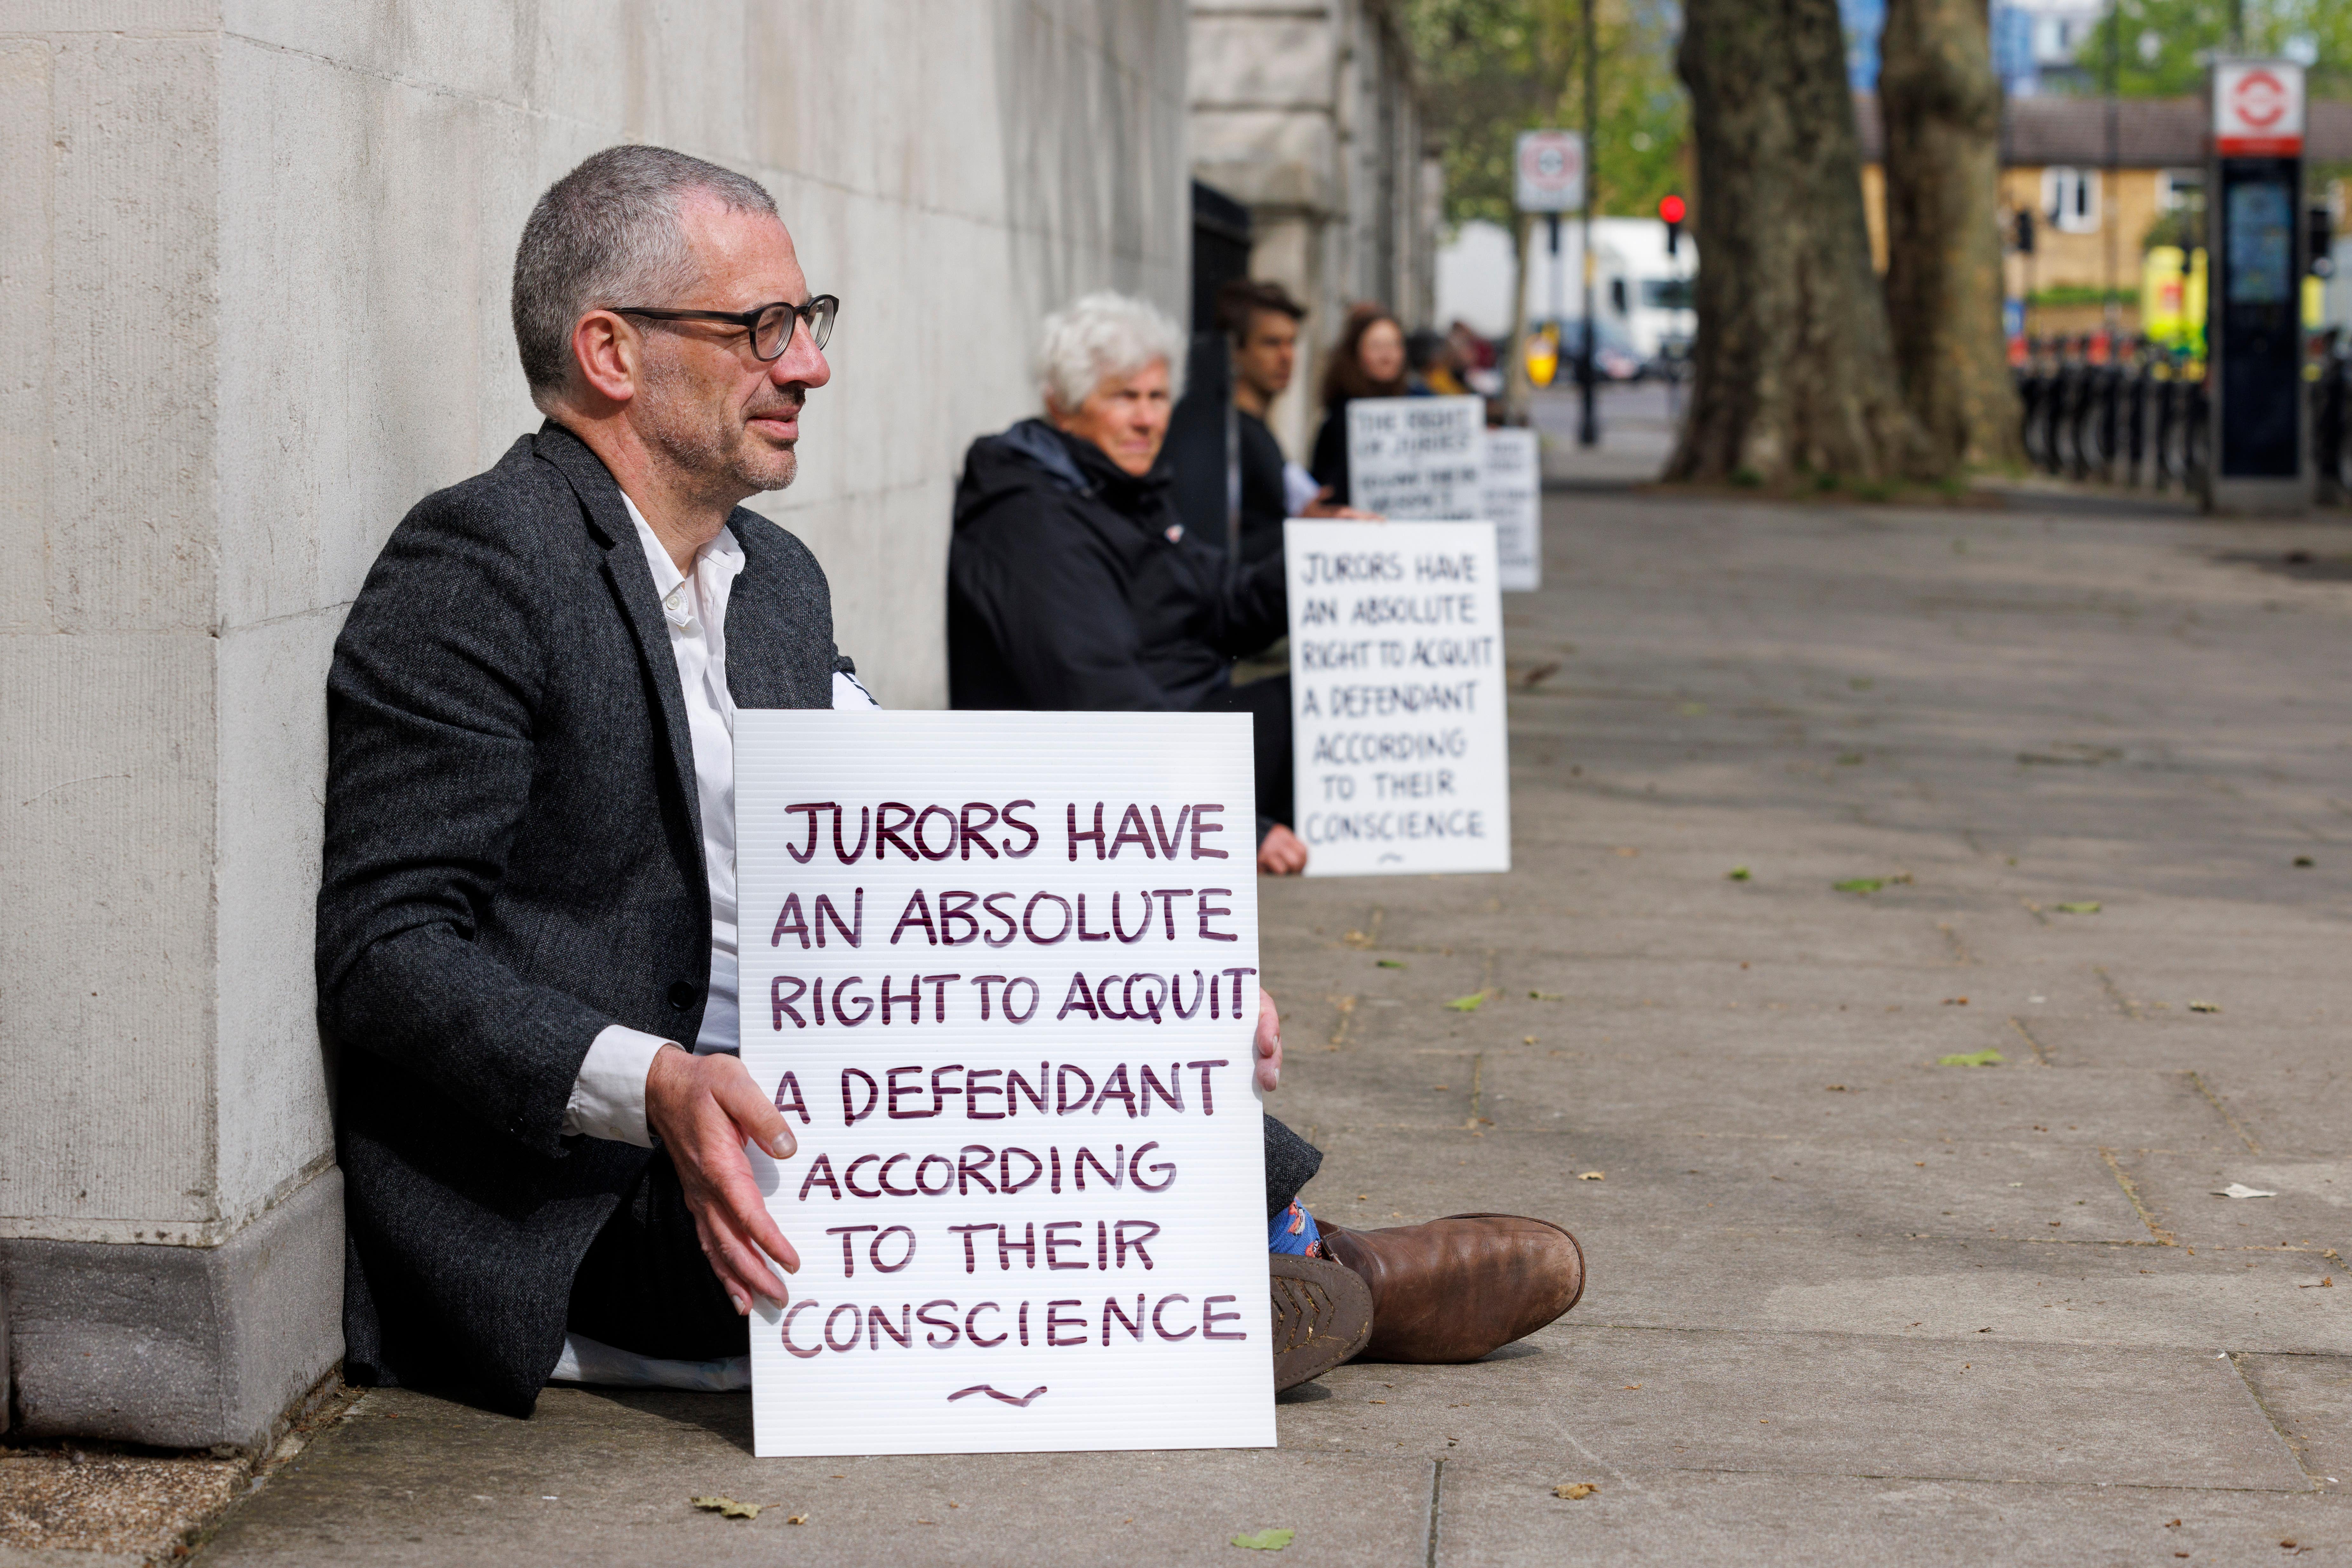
x=1308 y=113
x=255 y=257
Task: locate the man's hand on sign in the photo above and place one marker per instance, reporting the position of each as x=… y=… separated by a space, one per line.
x=703 y=1109
x=1281 y=854
x=1324 y=506
x=1269 y=1044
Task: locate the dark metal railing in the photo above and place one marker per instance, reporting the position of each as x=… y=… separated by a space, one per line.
x=2138 y=416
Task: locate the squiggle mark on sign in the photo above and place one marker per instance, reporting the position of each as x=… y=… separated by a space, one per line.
x=1020 y=1399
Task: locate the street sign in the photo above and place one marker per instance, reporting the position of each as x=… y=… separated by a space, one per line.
x=1550 y=171
x=2258 y=109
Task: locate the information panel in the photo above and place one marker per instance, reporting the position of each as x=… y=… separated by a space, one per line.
x=1397 y=702
x=1415 y=456
x=1514 y=504
x=1000 y=973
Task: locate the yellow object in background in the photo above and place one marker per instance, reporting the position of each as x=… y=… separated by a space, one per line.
x=1543 y=355
x=2315 y=303
x=2162 y=273
x=2193 y=305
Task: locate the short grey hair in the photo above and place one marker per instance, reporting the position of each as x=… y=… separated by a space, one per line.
x=608 y=235
x=1100 y=335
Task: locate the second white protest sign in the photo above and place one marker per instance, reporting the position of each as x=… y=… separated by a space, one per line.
x=1397 y=699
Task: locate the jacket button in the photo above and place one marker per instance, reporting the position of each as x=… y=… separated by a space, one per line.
x=683 y=993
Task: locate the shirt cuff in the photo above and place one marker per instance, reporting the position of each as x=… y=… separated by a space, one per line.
x=608 y=1098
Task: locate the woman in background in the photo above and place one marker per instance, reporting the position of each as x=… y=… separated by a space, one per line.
x=1368 y=362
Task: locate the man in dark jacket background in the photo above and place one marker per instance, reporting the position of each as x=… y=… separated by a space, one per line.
x=1072 y=584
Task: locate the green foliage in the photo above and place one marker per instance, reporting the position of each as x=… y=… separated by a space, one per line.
x=1492 y=69
x=2165 y=43
x=2081 y=294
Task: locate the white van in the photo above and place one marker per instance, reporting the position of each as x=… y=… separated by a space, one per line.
x=1643 y=295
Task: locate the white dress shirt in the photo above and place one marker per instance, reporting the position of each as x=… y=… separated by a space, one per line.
x=608 y=1099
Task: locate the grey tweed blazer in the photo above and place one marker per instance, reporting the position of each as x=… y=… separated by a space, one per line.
x=513 y=861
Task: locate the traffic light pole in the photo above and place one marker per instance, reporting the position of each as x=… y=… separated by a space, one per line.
x=1558 y=309
x=1587 y=423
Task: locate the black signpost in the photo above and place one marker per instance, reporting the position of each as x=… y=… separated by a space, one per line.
x=2261 y=440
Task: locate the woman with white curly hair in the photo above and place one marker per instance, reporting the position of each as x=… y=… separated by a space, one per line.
x=1072 y=584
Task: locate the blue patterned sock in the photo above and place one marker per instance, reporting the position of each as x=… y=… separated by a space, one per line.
x=1293 y=1231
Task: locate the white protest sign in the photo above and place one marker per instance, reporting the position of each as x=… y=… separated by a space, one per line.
x=1415 y=456
x=1396 y=692
x=1000 y=972
x=1514 y=504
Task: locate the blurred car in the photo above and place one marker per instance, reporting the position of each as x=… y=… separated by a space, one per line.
x=1612 y=352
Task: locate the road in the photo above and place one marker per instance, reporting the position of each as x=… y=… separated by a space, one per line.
x=2068 y=757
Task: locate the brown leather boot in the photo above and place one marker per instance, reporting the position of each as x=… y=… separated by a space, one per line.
x=1322 y=1315
x=1457 y=1287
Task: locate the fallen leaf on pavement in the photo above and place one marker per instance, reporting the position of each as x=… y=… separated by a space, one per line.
x=1858 y=885
x=1547 y=996
x=728 y=1507
x=1736 y=874
x=796 y=1518
x=1627 y=852
x=2240 y=1190
x=1834 y=1089
x=2081 y=906
x=1388 y=963
x=1592 y=1177
x=2303 y=861
x=1983 y=1058
x=1265 y=1540
x=2324 y=1282
x=1956 y=1001
x=2204 y=1006
x=1469 y=1004
x=1575 y=1491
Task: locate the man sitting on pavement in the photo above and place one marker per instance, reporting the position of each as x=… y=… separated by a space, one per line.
x=527 y=923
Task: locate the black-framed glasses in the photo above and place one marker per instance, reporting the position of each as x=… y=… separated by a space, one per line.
x=770 y=326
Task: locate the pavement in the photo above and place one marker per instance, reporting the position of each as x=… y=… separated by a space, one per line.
x=2066 y=756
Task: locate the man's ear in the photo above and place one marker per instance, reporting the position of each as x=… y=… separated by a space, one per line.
x=606 y=350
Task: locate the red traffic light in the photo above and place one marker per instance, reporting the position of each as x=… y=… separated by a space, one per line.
x=1671 y=209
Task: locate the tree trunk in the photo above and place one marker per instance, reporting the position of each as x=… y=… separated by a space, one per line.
x=1794 y=372
x=1942 y=112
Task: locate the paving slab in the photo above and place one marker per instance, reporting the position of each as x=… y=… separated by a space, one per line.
x=1846 y=1305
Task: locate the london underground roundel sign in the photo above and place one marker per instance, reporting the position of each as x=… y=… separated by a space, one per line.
x=1550 y=169
x=2257 y=108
